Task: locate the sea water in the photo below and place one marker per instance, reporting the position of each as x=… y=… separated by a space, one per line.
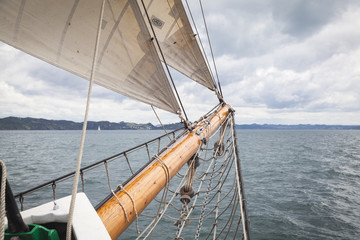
x=298 y=184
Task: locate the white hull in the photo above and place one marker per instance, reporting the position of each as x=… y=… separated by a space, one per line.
x=86 y=222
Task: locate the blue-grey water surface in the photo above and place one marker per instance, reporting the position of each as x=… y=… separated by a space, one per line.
x=298 y=184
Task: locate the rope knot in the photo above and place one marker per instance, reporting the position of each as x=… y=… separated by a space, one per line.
x=219 y=148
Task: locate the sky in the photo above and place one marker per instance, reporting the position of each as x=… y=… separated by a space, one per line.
x=279 y=62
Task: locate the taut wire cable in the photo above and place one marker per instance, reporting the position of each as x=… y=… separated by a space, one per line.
x=212 y=54
x=160 y=123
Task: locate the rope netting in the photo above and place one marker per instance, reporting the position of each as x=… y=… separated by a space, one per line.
x=205 y=199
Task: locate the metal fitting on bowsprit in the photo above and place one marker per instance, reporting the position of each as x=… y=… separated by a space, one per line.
x=194 y=159
x=186 y=194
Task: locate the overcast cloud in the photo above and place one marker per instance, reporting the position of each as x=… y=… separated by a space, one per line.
x=279 y=61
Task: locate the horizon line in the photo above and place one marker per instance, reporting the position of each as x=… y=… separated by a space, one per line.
x=284 y=124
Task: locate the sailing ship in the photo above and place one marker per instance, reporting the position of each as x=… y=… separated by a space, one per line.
x=128 y=46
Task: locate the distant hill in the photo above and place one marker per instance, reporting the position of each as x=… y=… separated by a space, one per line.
x=16 y=123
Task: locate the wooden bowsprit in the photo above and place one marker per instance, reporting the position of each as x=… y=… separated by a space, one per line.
x=144 y=187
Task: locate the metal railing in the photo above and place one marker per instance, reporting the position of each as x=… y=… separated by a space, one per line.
x=52 y=183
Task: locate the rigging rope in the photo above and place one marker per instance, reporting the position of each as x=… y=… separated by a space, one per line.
x=201 y=44
x=167 y=174
x=133 y=202
x=212 y=54
x=215 y=205
x=2 y=200
x=77 y=172
x=155 y=221
x=182 y=223
x=215 y=200
x=160 y=123
x=240 y=186
x=113 y=193
x=215 y=155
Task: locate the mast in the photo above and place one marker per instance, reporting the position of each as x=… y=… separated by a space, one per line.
x=118 y=212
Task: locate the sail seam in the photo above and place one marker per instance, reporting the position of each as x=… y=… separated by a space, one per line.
x=163 y=57
x=187 y=43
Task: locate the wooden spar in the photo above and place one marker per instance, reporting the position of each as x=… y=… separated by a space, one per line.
x=144 y=187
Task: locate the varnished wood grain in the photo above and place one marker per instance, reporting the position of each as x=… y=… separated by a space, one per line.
x=148 y=183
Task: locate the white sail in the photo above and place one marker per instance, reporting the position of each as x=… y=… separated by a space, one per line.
x=63 y=33
x=177 y=40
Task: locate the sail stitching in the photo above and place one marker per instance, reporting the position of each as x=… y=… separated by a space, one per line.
x=163 y=57
x=184 y=38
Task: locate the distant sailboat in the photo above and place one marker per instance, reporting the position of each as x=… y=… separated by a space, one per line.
x=99 y=128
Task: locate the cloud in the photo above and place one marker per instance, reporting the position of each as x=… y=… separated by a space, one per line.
x=32 y=88
x=302 y=19
x=279 y=62
x=318 y=73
